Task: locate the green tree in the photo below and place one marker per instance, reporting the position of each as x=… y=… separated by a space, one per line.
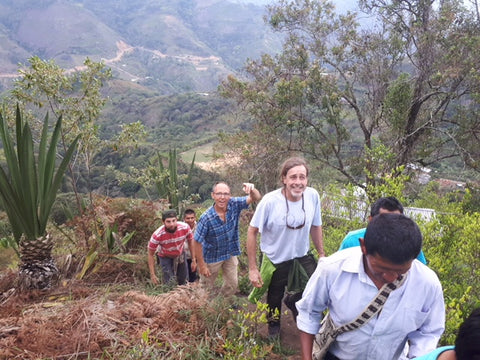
x=28 y=188
x=355 y=97
x=76 y=96
x=451 y=245
x=246 y=156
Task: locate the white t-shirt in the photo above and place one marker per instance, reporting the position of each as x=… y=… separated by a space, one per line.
x=277 y=241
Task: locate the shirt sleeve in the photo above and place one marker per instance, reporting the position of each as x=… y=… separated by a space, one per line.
x=317 y=218
x=260 y=214
x=239 y=203
x=153 y=242
x=314 y=301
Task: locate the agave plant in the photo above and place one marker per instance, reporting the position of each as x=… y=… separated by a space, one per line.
x=28 y=188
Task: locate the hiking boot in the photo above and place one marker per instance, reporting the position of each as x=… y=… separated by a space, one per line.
x=274 y=330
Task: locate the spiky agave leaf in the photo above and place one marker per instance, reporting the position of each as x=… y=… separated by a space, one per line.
x=28 y=192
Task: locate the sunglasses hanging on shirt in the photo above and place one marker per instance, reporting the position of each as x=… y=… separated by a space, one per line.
x=292 y=217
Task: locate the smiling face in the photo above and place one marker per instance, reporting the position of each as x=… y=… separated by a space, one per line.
x=221 y=195
x=190 y=220
x=295 y=182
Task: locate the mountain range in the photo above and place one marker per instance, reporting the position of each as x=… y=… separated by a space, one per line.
x=169 y=47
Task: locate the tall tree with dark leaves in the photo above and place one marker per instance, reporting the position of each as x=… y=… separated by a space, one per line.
x=367 y=101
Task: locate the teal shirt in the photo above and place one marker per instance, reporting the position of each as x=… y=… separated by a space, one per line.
x=352 y=239
x=435 y=353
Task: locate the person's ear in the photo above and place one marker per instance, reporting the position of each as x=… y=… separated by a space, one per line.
x=362 y=246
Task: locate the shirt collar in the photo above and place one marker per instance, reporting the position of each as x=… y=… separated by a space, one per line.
x=354 y=264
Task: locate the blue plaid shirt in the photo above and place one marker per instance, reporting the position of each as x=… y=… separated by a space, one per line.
x=220 y=240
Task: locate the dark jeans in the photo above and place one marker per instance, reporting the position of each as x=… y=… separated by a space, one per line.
x=169 y=273
x=276 y=290
x=192 y=275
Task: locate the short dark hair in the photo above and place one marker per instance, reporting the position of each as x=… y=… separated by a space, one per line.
x=394 y=237
x=467 y=343
x=389 y=203
x=188 y=211
x=291 y=163
x=169 y=214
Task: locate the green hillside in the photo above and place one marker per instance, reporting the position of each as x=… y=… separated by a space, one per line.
x=166 y=46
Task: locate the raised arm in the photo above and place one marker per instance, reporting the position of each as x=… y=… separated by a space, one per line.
x=254 y=195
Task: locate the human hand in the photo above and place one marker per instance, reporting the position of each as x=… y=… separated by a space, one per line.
x=154 y=279
x=193 y=265
x=255 y=278
x=248 y=187
x=203 y=270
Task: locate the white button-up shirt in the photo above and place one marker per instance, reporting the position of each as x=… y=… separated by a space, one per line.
x=415 y=312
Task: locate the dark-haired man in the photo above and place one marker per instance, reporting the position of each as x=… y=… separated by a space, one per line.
x=190 y=218
x=347 y=281
x=384 y=205
x=168 y=242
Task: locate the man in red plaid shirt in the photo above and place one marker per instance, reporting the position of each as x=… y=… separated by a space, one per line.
x=168 y=243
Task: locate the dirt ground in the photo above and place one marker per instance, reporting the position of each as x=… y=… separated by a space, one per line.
x=290 y=336
x=80 y=318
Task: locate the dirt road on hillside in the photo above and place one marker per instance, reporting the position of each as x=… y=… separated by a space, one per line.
x=200 y=63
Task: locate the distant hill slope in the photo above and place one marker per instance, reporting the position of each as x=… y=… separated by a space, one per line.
x=169 y=46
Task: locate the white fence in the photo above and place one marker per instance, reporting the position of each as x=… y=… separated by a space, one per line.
x=360 y=210
x=419 y=213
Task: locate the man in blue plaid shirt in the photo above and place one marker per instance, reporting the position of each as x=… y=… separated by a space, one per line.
x=217 y=242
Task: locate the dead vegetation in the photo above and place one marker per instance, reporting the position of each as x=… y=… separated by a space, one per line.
x=98 y=318
x=76 y=321
x=114 y=313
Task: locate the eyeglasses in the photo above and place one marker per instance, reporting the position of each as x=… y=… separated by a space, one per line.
x=292 y=218
x=220 y=194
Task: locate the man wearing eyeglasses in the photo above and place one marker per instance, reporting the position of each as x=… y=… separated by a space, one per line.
x=217 y=242
x=286 y=218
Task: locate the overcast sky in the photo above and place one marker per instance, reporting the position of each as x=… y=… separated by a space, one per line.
x=341 y=5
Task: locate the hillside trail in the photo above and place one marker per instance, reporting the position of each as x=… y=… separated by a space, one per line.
x=289 y=334
x=200 y=63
